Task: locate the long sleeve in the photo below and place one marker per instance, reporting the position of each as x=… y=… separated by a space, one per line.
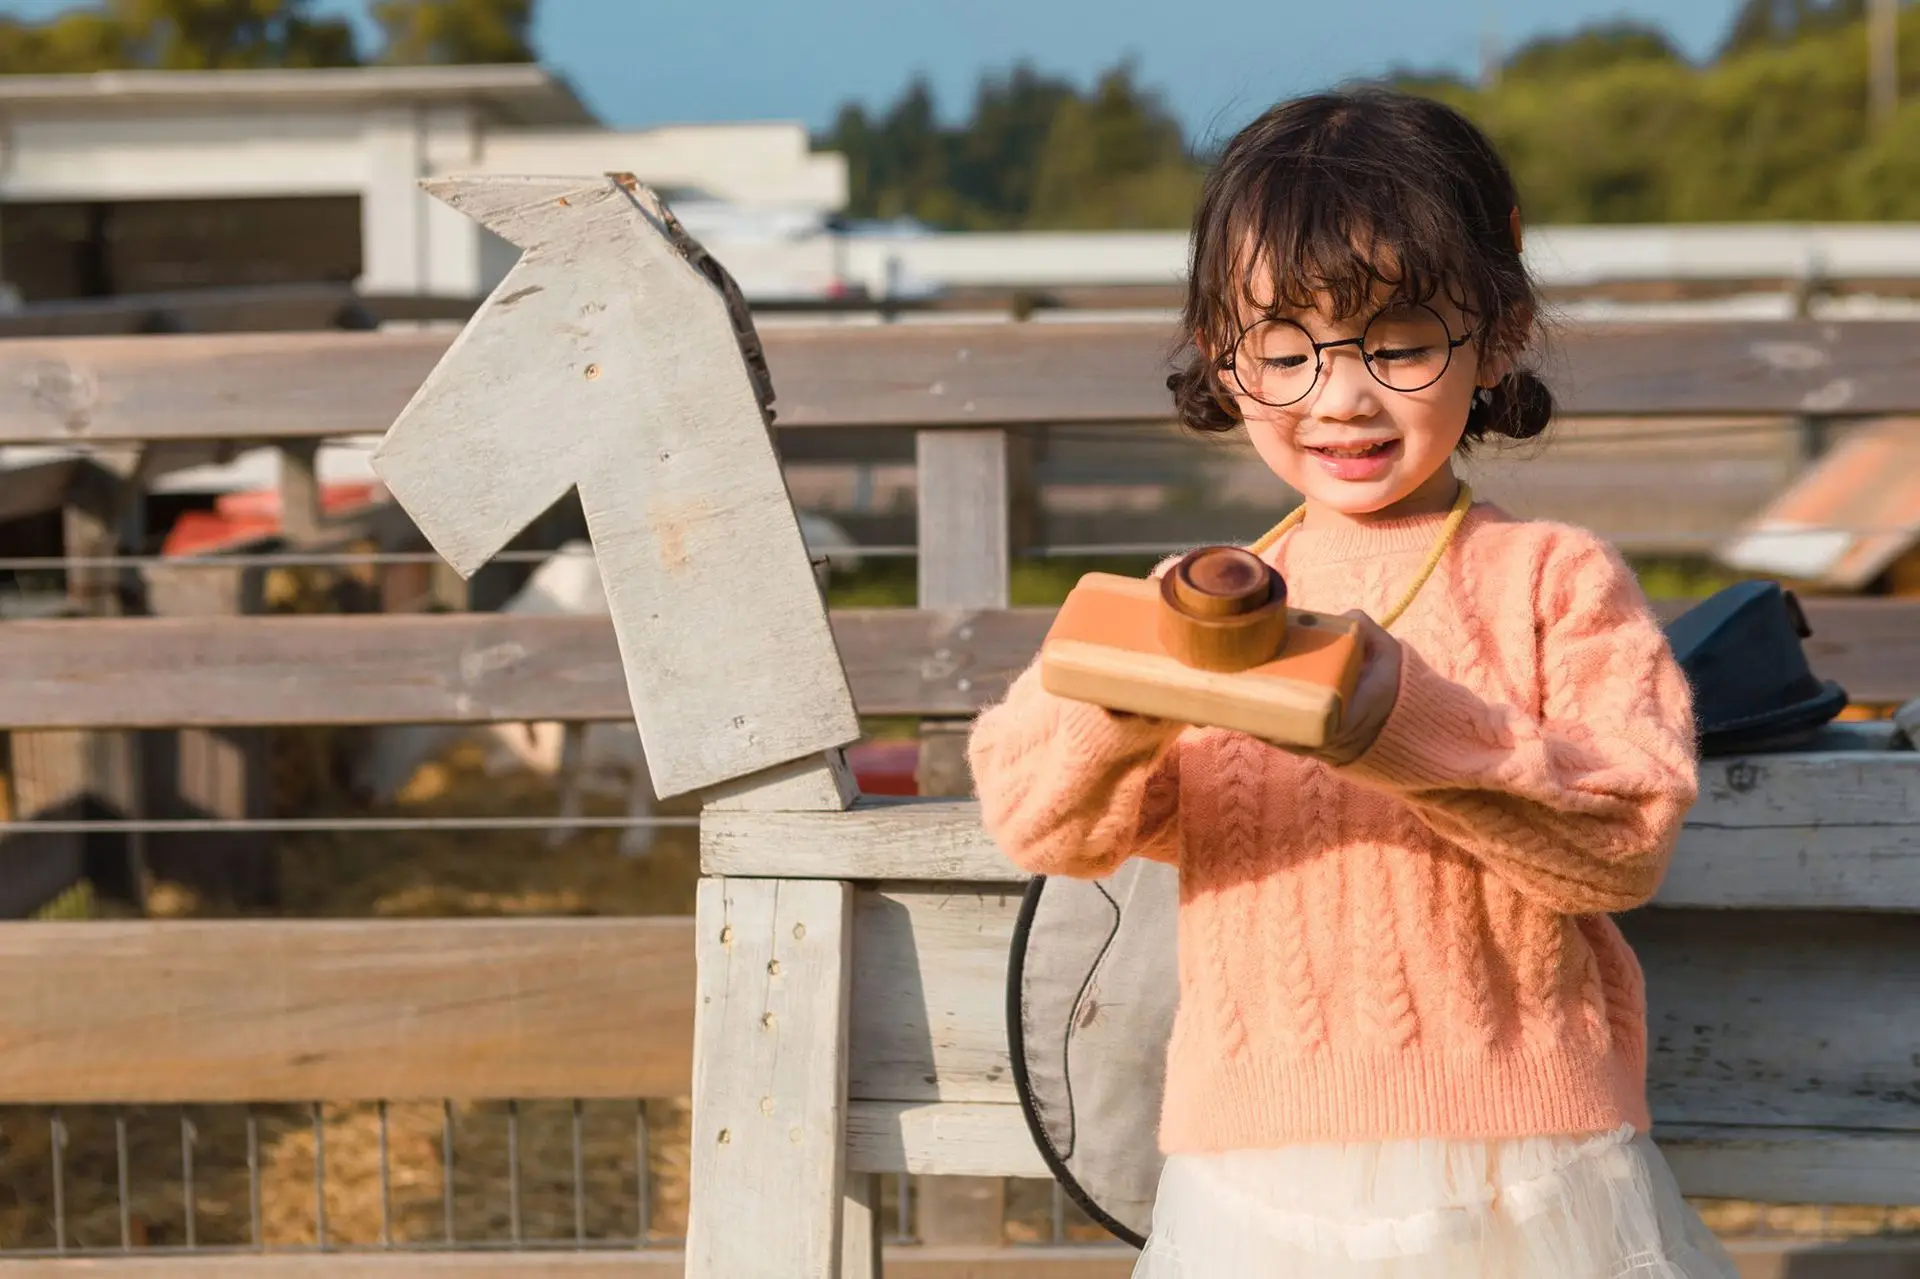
x=1580 y=805
x=1070 y=789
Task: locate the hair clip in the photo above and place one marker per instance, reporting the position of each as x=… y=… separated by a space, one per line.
x=1513 y=225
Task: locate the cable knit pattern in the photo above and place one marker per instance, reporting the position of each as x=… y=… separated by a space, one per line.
x=1415 y=944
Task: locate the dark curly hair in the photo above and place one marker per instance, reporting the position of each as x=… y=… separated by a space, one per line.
x=1338 y=194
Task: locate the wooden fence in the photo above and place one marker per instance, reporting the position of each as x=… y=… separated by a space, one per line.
x=1784 y=954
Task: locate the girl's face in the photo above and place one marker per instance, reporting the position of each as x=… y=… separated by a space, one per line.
x=1355 y=449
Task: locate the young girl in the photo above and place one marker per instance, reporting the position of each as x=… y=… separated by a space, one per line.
x=1410 y=1042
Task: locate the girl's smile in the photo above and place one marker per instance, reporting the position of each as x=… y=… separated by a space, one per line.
x=1356 y=462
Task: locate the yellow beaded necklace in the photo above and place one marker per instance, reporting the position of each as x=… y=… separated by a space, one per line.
x=1459 y=512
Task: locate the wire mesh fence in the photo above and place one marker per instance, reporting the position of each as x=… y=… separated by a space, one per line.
x=208 y=1180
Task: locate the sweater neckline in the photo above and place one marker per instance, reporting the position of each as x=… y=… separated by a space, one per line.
x=1304 y=544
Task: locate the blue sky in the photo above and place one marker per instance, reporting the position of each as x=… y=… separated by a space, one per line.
x=1215 y=62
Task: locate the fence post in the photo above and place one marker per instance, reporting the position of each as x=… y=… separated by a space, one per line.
x=71 y=774
x=965 y=562
x=221 y=773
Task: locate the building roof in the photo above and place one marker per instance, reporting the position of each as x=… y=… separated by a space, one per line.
x=520 y=93
x=1848 y=516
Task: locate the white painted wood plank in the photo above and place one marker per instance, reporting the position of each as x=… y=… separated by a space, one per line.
x=610 y=363
x=963 y=528
x=942 y=1139
x=1796 y=1019
x=1854 y=788
x=1811 y=867
x=769 y=1079
x=1836 y=860
x=929 y=995
x=822 y=783
x=965 y=560
x=1786 y=1165
x=879 y=837
x=860 y=1233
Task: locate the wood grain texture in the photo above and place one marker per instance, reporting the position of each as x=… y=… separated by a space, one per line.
x=1786 y=1165
x=945 y=1139
x=769 y=1078
x=608 y=363
x=362 y=1010
x=1797 y=1019
x=962 y=516
x=490 y=667
x=293 y=385
x=922 y=1028
x=862 y=1255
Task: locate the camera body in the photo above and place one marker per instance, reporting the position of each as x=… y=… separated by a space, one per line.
x=1210 y=643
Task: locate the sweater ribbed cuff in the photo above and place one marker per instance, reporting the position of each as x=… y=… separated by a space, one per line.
x=1419 y=745
x=1097 y=733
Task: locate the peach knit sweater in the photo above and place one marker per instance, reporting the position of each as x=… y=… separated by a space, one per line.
x=1416 y=944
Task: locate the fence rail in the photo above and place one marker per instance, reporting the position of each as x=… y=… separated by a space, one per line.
x=306 y=385
x=495 y=668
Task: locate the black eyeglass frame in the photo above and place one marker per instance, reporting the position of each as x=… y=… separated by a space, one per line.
x=1227 y=364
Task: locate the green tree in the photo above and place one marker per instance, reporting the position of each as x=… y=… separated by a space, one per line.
x=1881 y=181
x=1588 y=50
x=86 y=40
x=455 y=31
x=201 y=35
x=1760 y=23
x=1114 y=160
x=995 y=160
x=206 y=35
x=176 y=35
x=1033 y=152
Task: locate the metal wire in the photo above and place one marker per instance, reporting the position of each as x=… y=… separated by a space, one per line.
x=513 y=1170
x=386 y=1184
x=57 y=1132
x=324 y=825
x=253 y=1179
x=187 y=1137
x=579 y=1176
x=446 y=1161
x=319 y=1178
x=336 y=559
x=645 y=1178
x=120 y=1166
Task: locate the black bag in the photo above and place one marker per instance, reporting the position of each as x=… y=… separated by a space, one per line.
x=1093 y=978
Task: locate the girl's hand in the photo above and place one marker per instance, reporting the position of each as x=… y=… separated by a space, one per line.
x=1374 y=695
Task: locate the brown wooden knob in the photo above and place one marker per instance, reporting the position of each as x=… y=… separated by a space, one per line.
x=1222 y=608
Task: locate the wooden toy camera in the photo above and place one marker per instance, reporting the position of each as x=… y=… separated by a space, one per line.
x=1211 y=643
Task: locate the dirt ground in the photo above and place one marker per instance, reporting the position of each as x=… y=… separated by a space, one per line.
x=412 y=874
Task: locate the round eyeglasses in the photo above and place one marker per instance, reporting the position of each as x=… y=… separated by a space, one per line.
x=1405 y=348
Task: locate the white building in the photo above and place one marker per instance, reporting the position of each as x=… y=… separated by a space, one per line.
x=142 y=182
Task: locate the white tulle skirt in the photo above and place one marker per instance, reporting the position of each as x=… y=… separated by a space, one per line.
x=1595 y=1207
